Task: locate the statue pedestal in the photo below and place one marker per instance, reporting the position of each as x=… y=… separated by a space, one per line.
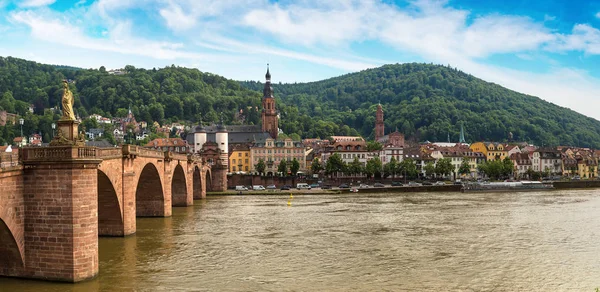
x=67 y=134
x=70 y=129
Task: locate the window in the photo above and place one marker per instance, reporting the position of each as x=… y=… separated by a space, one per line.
x=239 y=154
x=246 y=168
x=246 y=160
x=246 y=154
x=234 y=168
x=233 y=161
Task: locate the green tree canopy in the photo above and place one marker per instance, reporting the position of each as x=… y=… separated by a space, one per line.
x=260 y=166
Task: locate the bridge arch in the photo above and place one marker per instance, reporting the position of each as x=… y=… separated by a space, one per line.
x=11 y=246
x=110 y=215
x=178 y=187
x=149 y=197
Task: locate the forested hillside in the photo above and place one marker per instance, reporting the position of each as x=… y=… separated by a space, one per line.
x=428 y=102
x=167 y=94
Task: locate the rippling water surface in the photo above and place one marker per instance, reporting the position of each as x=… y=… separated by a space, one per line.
x=547 y=241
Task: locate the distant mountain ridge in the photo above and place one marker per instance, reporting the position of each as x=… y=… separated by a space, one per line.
x=426 y=102
x=431 y=102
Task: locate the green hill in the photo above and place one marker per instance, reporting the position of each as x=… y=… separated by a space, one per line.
x=428 y=102
x=166 y=94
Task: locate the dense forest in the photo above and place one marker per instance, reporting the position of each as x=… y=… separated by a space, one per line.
x=429 y=102
x=163 y=95
x=426 y=102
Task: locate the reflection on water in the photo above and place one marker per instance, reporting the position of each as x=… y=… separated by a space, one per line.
x=546 y=241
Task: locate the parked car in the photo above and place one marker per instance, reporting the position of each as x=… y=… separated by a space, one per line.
x=302 y=186
x=378 y=185
x=413 y=184
x=426 y=183
x=458 y=182
x=326 y=187
x=314 y=186
x=439 y=183
x=271 y=187
x=258 y=188
x=396 y=184
x=576 y=178
x=344 y=186
x=363 y=186
x=286 y=188
x=241 y=188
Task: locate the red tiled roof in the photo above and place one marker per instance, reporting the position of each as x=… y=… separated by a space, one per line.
x=160 y=142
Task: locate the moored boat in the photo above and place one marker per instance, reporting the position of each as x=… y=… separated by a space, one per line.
x=518 y=186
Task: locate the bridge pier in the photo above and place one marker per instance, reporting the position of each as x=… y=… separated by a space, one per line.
x=61 y=214
x=55 y=202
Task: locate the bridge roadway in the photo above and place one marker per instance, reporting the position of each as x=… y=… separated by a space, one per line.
x=56 y=201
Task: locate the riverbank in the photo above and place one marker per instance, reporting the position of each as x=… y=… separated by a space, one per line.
x=583 y=184
x=577 y=184
x=318 y=191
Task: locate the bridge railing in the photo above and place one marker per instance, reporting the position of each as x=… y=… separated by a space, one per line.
x=141 y=151
x=109 y=152
x=57 y=153
x=9 y=159
x=86 y=152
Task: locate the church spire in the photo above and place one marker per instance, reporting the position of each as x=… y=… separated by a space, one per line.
x=270 y=121
x=268 y=89
x=268 y=75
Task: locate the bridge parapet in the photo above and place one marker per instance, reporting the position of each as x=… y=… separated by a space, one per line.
x=58 y=153
x=134 y=150
x=8 y=160
x=108 y=153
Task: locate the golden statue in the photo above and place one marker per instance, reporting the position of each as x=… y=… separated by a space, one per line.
x=67 y=103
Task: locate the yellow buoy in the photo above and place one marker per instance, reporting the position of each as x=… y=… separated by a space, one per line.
x=291 y=196
x=289 y=203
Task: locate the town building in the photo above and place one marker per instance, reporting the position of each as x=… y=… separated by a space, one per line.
x=348 y=150
x=522 y=162
x=176 y=145
x=20 y=141
x=239 y=159
x=394 y=139
x=491 y=150
x=6 y=117
x=272 y=152
x=546 y=160
x=94 y=133
x=35 y=140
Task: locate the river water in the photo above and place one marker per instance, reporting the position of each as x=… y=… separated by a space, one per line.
x=547 y=241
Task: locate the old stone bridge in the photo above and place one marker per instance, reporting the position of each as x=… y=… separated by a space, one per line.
x=56 y=201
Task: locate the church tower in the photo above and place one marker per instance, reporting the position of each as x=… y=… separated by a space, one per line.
x=269 y=113
x=379 y=127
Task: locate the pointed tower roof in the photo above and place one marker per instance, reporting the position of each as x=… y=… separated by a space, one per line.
x=268 y=89
x=462 y=135
x=268 y=75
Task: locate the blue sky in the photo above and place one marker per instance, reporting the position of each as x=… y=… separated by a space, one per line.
x=549 y=49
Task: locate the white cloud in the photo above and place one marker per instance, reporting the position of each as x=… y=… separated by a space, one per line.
x=598 y=15
x=583 y=38
x=36 y=3
x=230 y=45
x=119 y=39
x=176 y=18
